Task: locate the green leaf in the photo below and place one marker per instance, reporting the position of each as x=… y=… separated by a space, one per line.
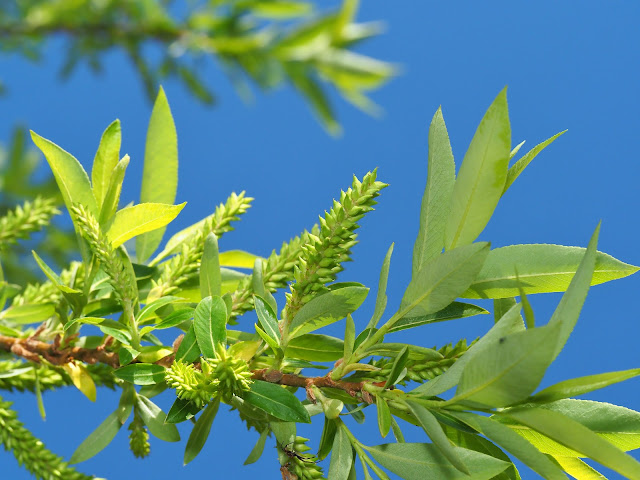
x=341 y=456
x=105 y=160
x=394 y=349
x=397 y=433
x=315 y=348
x=510 y=370
x=125 y=405
x=417 y=461
x=518 y=167
x=510 y=322
x=618 y=425
x=181 y=410
x=112 y=196
x=381 y=297
x=98 y=439
x=149 y=310
x=579 y=386
x=138 y=219
x=568 y=310
x=154 y=419
x=442 y=281
x=210 y=278
x=349 y=338
x=267 y=339
x=256 y=451
x=436 y=201
x=327 y=308
x=432 y=428
x=71 y=178
x=578 y=469
x=453 y=311
x=188 y=351
x=276 y=401
x=514 y=444
x=210 y=323
x=267 y=319
x=482 y=176
x=280 y=9
x=200 y=431
x=578 y=437
x=237 y=259
x=38 y=392
x=502 y=306
x=141 y=373
x=160 y=174
x=397 y=367
x=326 y=440
x=28 y=313
x=541 y=269
x=384 y=416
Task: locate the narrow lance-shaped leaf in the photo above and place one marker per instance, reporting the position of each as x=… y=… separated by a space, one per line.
x=154 y=418
x=568 y=310
x=81 y=379
x=430 y=425
x=341 y=456
x=510 y=322
x=579 y=386
x=441 y=281
x=135 y=220
x=513 y=443
x=327 y=308
x=510 y=370
x=417 y=461
x=578 y=437
x=384 y=416
x=315 y=348
x=541 y=269
x=578 y=469
x=518 y=167
x=181 y=410
x=267 y=319
x=258 y=448
x=98 y=439
x=141 y=373
x=210 y=323
x=210 y=278
x=349 y=338
x=189 y=351
x=381 y=297
x=105 y=160
x=436 y=201
x=200 y=432
x=71 y=178
x=397 y=367
x=112 y=195
x=453 y=311
x=160 y=173
x=276 y=401
x=482 y=176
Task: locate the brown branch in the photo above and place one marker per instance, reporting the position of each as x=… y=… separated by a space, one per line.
x=32 y=350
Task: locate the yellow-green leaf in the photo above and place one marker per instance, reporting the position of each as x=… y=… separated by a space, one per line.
x=81 y=379
x=138 y=219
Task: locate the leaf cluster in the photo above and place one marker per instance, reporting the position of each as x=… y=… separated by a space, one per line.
x=477 y=402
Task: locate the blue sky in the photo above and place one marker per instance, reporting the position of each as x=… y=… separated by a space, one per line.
x=568 y=65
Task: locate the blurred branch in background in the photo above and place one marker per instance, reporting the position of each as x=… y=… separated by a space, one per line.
x=264 y=42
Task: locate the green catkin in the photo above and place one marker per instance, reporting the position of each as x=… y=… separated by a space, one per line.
x=26 y=219
x=139 y=437
x=323 y=254
x=109 y=259
x=47 y=292
x=306 y=467
x=31 y=452
x=184 y=265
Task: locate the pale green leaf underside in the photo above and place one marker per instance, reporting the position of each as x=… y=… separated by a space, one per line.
x=138 y=219
x=434 y=211
x=578 y=469
x=542 y=268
